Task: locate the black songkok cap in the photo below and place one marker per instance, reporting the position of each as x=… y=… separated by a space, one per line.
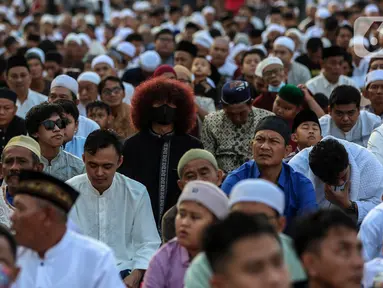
x=5 y=93
x=333 y=51
x=16 y=61
x=47 y=187
x=304 y=116
x=54 y=57
x=277 y=124
x=187 y=47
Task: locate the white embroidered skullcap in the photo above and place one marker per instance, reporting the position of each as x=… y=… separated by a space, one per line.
x=260 y=47
x=90 y=77
x=208 y=10
x=260 y=191
x=127 y=48
x=373 y=76
x=198 y=19
x=259 y=69
x=279 y=4
x=285 y=42
x=349 y=4
x=66 y=82
x=72 y=37
x=37 y=51
x=85 y=38
x=47 y=18
x=113 y=43
x=128 y=13
x=208 y=195
x=270 y=61
x=326 y=43
x=359 y=40
x=272 y=28
x=371 y=8
x=102 y=59
x=322 y=13
x=141 y=6
x=237 y=49
x=149 y=61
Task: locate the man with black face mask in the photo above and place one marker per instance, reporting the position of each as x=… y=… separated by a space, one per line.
x=163 y=113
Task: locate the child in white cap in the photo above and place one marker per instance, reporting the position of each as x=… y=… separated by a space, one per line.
x=200 y=205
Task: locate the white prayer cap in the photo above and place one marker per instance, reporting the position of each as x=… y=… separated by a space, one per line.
x=90 y=19
x=260 y=47
x=270 y=61
x=376 y=75
x=198 y=19
x=371 y=8
x=102 y=59
x=115 y=14
x=149 y=61
x=258 y=190
x=279 y=4
x=208 y=195
x=203 y=38
x=47 y=19
x=359 y=40
x=272 y=28
x=3 y=28
x=37 y=51
x=349 y=4
x=85 y=38
x=322 y=13
x=127 y=48
x=285 y=42
x=113 y=43
x=3 y=10
x=156 y=29
x=127 y=13
x=238 y=49
x=141 y=6
x=296 y=32
x=66 y=82
x=72 y=37
x=208 y=10
x=259 y=69
x=124 y=32
x=326 y=43
x=90 y=77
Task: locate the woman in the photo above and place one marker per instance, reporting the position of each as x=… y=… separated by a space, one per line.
x=200 y=205
x=163 y=112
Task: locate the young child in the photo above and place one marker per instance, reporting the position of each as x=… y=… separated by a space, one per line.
x=288 y=102
x=99 y=112
x=200 y=205
x=306 y=131
x=206 y=94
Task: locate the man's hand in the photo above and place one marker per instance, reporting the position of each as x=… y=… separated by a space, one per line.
x=133 y=280
x=339 y=198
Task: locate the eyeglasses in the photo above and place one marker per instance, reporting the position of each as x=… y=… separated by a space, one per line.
x=270 y=73
x=108 y=92
x=50 y=124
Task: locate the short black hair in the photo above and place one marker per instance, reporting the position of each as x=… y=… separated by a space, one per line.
x=110 y=78
x=69 y=108
x=40 y=113
x=343 y=95
x=162 y=32
x=31 y=24
x=327 y=159
x=310 y=230
x=221 y=237
x=322 y=100
x=314 y=44
x=47 y=45
x=275 y=10
x=134 y=37
x=330 y=23
x=191 y=25
x=4 y=232
x=255 y=33
x=10 y=40
x=100 y=139
x=346 y=27
x=99 y=105
x=253 y=51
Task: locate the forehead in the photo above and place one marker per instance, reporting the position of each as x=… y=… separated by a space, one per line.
x=345 y=107
x=269 y=134
x=379 y=82
x=334 y=58
x=54 y=116
x=61 y=91
x=194 y=207
x=102 y=66
x=86 y=83
x=109 y=84
x=336 y=234
x=97 y=110
x=281 y=48
x=308 y=123
x=252 y=56
x=17 y=151
x=18 y=69
x=222 y=44
x=102 y=156
x=197 y=164
x=182 y=54
x=34 y=61
x=377 y=62
x=252 y=208
x=4 y=101
x=200 y=60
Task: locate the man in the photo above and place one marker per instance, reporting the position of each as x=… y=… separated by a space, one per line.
x=52 y=252
x=111 y=90
x=87 y=90
x=19 y=79
x=66 y=87
x=46 y=123
x=330 y=78
x=329 y=249
x=306 y=131
x=341 y=174
x=164 y=45
x=374 y=92
x=196 y=164
x=233 y=245
x=238 y=119
x=10 y=124
x=343 y=36
x=53 y=64
x=284 y=48
x=345 y=120
x=185 y=54
x=313 y=58
x=36 y=58
x=270 y=146
x=8 y=251
x=107 y=195
x=219 y=52
x=268 y=201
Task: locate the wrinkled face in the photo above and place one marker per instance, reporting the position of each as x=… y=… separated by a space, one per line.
x=7 y=111
x=19 y=79
x=333 y=66
x=53 y=138
x=58 y=93
x=283 y=53
x=219 y=52
x=36 y=68
x=343 y=38
x=200 y=169
x=375 y=93
x=100 y=116
x=102 y=166
x=284 y=109
x=345 y=116
x=112 y=94
x=191 y=221
x=52 y=69
x=307 y=134
x=273 y=74
x=250 y=63
x=183 y=58
x=165 y=45
x=269 y=148
x=103 y=70
x=70 y=128
x=87 y=92
x=237 y=113
x=340 y=249
x=201 y=67
x=255 y=262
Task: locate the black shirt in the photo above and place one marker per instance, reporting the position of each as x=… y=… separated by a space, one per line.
x=313 y=67
x=15 y=128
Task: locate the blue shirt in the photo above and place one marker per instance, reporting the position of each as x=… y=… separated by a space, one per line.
x=86 y=126
x=299 y=191
x=76 y=146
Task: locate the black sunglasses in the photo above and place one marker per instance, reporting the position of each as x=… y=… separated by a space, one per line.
x=50 y=124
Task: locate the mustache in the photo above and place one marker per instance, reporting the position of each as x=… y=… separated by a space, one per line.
x=13 y=173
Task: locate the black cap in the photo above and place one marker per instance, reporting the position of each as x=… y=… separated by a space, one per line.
x=47 y=187
x=187 y=47
x=333 y=51
x=5 y=93
x=277 y=124
x=16 y=61
x=236 y=92
x=304 y=116
x=54 y=56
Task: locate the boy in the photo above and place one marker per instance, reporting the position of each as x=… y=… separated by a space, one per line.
x=288 y=102
x=99 y=112
x=306 y=131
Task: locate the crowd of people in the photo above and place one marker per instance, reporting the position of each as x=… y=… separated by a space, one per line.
x=191 y=144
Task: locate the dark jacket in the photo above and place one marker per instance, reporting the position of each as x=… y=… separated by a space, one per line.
x=15 y=128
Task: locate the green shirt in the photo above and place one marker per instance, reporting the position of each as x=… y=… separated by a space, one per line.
x=199 y=272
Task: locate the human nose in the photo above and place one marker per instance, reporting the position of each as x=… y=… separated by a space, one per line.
x=185 y=221
x=99 y=171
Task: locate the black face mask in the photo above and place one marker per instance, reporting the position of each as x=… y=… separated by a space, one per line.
x=163 y=114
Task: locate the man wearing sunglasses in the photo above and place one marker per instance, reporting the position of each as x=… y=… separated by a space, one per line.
x=46 y=124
